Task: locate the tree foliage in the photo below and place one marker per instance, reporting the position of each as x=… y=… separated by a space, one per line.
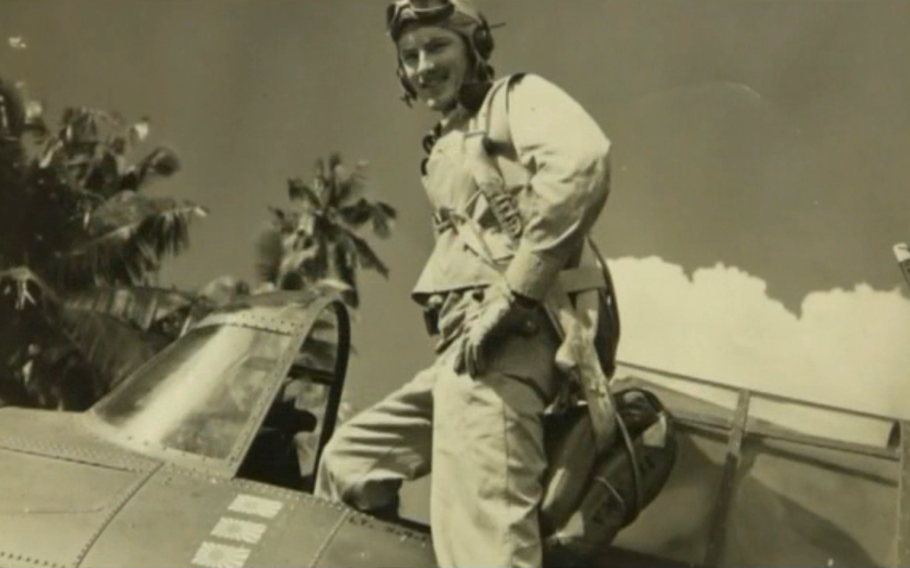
x=76 y=231
x=320 y=236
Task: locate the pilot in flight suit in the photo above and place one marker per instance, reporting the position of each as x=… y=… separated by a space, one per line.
x=476 y=413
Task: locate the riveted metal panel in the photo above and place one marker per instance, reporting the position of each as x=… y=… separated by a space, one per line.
x=361 y=541
x=301 y=538
x=194 y=520
x=12 y=560
x=284 y=312
x=181 y=518
x=164 y=523
x=43 y=496
x=62 y=435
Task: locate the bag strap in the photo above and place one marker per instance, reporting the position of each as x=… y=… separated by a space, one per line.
x=494 y=115
x=576 y=354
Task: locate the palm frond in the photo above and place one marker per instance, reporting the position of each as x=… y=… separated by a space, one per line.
x=269 y=253
x=159 y=163
x=335 y=160
x=12 y=112
x=362 y=212
x=329 y=285
x=128 y=237
x=58 y=378
x=322 y=240
x=76 y=142
x=141 y=306
x=12 y=391
x=336 y=178
x=34 y=120
x=223 y=290
x=386 y=209
x=384 y=216
x=103 y=174
x=23 y=287
x=319 y=170
x=311 y=261
x=284 y=220
x=112 y=347
x=366 y=256
x=349 y=185
x=23 y=296
x=14 y=201
x=356 y=215
x=300 y=192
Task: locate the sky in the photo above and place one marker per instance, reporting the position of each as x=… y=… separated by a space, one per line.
x=759 y=153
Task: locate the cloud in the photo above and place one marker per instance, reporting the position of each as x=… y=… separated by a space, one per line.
x=846 y=348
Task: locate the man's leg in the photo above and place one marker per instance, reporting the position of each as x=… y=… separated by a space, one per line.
x=489 y=462
x=368 y=457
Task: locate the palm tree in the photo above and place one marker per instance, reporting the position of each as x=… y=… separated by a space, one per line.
x=319 y=237
x=80 y=245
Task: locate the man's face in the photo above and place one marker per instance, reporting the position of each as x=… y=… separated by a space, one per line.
x=435 y=62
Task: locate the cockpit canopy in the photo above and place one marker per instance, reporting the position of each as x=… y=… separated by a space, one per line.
x=203 y=398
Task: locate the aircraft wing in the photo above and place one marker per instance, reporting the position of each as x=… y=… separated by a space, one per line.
x=749 y=491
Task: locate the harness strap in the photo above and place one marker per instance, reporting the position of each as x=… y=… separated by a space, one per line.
x=577 y=328
x=572 y=280
x=576 y=356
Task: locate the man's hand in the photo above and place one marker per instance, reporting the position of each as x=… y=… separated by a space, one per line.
x=498 y=313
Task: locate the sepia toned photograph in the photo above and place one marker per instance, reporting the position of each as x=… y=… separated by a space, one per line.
x=454 y=283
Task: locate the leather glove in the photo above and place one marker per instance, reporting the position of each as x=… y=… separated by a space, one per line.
x=498 y=313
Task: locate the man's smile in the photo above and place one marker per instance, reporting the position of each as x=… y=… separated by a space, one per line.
x=432 y=83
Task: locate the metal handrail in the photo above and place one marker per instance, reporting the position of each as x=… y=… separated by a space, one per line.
x=758 y=393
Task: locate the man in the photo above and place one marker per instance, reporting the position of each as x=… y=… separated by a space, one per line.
x=476 y=413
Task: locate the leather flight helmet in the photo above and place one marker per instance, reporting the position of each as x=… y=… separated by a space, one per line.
x=461 y=16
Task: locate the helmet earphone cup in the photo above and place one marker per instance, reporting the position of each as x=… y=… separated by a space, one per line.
x=483 y=40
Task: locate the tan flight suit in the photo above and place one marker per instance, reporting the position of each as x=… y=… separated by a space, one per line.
x=483 y=436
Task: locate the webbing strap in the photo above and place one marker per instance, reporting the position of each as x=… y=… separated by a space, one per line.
x=577 y=356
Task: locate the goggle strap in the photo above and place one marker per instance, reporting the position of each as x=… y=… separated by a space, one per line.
x=398 y=11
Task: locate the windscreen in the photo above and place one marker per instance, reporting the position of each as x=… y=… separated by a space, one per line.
x=198 y=395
